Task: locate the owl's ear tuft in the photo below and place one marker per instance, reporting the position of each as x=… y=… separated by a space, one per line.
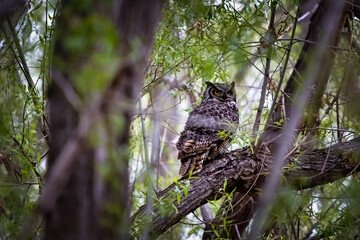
x=232 y=85
x=209 y=83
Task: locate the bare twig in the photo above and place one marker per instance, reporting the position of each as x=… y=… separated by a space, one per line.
x=270 y=40
x=148 y=171
x=282 y=74
x=286 y=141
x=237 y=232
x=25 y=69
x=338 y=120
x=23 y=61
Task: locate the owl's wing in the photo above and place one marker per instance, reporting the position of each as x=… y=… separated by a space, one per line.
x=193 y=150
x=191 y=144
x=193 y=147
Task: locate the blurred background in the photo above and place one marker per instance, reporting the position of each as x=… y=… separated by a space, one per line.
x=77 y=47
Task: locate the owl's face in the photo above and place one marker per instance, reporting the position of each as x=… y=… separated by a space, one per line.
x=220 y=91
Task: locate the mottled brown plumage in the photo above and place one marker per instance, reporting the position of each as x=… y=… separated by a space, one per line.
x=201 y=139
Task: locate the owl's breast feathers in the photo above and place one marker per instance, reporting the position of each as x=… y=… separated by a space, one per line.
x=213 y=117
x=201 y=139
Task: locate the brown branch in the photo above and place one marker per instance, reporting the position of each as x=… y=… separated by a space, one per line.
x=323 y=32
x=314 y=63
x=282 y=75
x=240 y=169
x=270 y=40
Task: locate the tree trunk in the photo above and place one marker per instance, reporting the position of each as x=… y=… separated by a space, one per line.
x=79 y=201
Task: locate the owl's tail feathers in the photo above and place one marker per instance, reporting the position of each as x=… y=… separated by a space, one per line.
x=223 y=148
x=193 y=163
x=184 y=167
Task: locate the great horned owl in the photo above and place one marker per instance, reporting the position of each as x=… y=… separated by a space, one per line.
x=202 y=137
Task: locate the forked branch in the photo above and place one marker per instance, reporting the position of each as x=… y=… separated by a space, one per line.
x=246 y=172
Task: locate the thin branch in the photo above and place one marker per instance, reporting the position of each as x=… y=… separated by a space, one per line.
x=282 y=74
x=22 y=58
x=148 y=170
x=25 y=69
x=289 y=133
x=270 y=40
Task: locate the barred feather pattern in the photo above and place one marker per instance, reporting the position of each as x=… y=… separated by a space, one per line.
x=201 y=139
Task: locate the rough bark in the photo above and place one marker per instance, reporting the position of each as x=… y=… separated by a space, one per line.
x=77 y=197
x=246 y=172
x=324 y=32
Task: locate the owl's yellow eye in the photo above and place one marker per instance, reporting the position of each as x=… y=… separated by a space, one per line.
x=216 y=92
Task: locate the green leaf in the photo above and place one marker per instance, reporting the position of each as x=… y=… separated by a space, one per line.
x=178 y=199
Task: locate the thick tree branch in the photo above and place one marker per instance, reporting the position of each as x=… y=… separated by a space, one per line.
x=324 y=30
x=246 y=172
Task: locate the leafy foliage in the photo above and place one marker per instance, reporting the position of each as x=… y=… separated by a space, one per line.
x=25 y=48
x=197 y=41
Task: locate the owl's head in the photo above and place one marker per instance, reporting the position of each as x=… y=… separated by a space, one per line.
x=220 y=91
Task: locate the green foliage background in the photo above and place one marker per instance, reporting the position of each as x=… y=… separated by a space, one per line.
x=197 y=41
